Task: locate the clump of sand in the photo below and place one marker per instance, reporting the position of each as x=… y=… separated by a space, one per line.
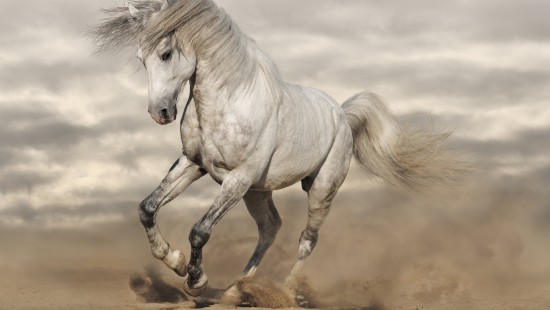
x=258 y=293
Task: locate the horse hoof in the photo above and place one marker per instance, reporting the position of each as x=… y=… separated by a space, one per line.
x=198 y=289
x=231 y=297
x=181 y=267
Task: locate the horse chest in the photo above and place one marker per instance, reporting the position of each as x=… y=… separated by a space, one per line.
x=225 y=145
x=217 y=145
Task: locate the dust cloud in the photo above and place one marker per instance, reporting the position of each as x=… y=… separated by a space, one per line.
x=483 y=243
x=150 y=287
x=480 y=246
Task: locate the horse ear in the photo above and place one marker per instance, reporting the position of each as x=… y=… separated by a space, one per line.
x=133 y=10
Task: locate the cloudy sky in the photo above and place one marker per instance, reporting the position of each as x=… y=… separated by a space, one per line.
x=76 y=143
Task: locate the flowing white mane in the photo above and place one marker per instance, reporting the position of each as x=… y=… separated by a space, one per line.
x=202 y=24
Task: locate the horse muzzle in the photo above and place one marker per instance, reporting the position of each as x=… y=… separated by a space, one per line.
x=164 y=116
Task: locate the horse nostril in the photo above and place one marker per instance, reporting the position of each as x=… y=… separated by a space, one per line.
x=164 y=113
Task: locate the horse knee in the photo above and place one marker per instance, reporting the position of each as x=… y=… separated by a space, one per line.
x=147 y=212
x=199 y=236
x=308 y=241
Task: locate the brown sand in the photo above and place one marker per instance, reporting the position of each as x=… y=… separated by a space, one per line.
x=484 y=246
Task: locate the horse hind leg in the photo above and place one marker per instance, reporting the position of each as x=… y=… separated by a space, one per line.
x=321 y=191
x=319 y=204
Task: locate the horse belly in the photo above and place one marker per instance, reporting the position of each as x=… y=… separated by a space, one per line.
x=307 y=131
x=282 y=176
x=300 y=156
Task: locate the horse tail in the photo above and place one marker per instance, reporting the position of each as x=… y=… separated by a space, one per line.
x=406 y=159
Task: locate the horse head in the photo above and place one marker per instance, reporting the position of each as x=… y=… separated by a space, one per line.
x=169 y=66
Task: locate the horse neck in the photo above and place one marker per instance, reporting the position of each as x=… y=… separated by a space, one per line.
x=232 y=69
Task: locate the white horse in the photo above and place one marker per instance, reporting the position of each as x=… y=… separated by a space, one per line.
x=252 y=132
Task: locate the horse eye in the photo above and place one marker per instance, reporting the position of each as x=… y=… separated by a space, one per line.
x=166 y=56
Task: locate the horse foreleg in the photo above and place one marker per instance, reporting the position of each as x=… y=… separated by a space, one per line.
x=261 y=207
x=233 y=188
x=180 y=176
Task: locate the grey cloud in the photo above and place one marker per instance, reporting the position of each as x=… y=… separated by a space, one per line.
x=15 y=181
x=512 y=20
x=403 y=29
x=36 y=126
x=46 y=45
x=100 y=202
x=406 y=28
x=68 y=16
x=526 y=146
x=490 y=20
x=53 y=134
x=67 y=212
x=334 y=18
x=472 y=21
x=525 y=143
x=53 y=77
x=543 y=175
x=483 y=87
x=132 y=154
x=7 y=156
x=39 y=129
x=418 y=120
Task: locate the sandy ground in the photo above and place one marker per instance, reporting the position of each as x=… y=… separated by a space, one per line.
x=478 y=248
x=112 y=293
